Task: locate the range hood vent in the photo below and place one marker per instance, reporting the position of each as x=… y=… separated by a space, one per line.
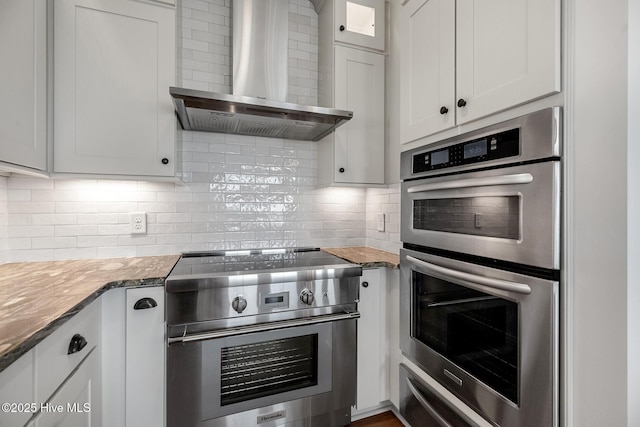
x=242 y=115
x=258 y=105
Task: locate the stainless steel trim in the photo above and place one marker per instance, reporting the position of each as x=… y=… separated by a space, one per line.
x=521 y=178
x=423 y=402
x=193 y=282
x=452 y=377
x=263 y=327
x=475 y=280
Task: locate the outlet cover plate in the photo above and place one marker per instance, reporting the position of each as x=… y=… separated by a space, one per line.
x=380 y=222
x=138 y=221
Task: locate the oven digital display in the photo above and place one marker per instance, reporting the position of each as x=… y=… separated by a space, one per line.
x=274 y=300
x=439 y=157
x=475 y=149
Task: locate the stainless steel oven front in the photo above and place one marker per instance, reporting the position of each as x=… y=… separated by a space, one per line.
x=286 y=374
x=493 y=193
x=480 y=267
x=488 y=335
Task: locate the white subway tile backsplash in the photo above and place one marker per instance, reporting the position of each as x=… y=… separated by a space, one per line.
x=239 y=192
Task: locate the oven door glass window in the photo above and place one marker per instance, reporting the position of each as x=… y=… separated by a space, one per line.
x=251 y=371
x=489 y=216
x=478 y=332
x=261 y=369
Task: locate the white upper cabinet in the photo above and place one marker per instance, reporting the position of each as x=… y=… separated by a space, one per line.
x=467 y=60
x=360 y=23
x=428 y=68
x=354 y=153
x=23 y=91
x=113 y=65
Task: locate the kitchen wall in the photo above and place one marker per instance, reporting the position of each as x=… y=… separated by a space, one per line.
x=239 y=192
x=4 y=220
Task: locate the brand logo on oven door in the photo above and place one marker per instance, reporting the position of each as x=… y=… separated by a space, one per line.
x=272 y=416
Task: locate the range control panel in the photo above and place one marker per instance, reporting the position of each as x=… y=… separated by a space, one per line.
x=492 y=147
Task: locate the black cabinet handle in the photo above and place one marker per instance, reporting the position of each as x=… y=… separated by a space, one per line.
x=165 y=161
x=76 y=344
x=144 y=303
x=461 y=102
x=341 y=27
x=444 y=110
x=341 y=170
x=365 y=284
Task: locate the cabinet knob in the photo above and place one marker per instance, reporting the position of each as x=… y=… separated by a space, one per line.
x=341 y=27
x=444 y=110
x=76 y=344
x=144 y=303
x=365 y=284
x=341 y=170
x=461 y=102
x=165 y=161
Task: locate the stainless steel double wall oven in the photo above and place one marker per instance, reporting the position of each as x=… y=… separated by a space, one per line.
x=480 y=269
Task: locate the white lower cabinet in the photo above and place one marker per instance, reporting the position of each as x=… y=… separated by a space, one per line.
x=134 y=348
x=145 y=346
x=16 y=387
x=77 y=402
x=60 y=378
x=373 y=339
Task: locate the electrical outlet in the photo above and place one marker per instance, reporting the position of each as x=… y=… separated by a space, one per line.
x=138 y=221
x=380 y=222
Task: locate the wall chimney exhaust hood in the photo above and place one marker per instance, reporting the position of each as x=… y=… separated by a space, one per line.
x=260 y=83
x=243 y=115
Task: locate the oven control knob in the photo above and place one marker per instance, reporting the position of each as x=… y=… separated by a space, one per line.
x=239 y=304
x=306 y=296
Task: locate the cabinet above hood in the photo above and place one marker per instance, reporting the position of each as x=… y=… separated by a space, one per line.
x=258 y=106
x=243 y=115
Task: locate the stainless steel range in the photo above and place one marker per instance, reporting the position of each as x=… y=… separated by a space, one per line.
x=263 y=337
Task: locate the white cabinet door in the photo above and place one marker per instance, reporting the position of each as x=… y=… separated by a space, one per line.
x=16 y=387
x=77 y=402
x=145 y=347
x=359 y=143
x=114 y=62
x=360 y=22
x=373 y=366
x=508 y=53
x=23 y=91
x=465 y=60
x=428 y=68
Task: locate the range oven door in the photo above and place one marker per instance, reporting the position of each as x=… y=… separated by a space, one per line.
x=276 y=376
x=494 y=213
x=487 y=335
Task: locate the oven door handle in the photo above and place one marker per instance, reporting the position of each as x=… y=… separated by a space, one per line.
x=514 y=179
x=431 y=410
x=263 y=327
x=471 y=279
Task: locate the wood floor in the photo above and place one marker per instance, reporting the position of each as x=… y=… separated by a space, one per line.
x=386 y=419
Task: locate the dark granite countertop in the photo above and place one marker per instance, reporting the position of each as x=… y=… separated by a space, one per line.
x=37 y=297
x=366 y=257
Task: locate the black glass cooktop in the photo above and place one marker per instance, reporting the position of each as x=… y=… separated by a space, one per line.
x=239 y=261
